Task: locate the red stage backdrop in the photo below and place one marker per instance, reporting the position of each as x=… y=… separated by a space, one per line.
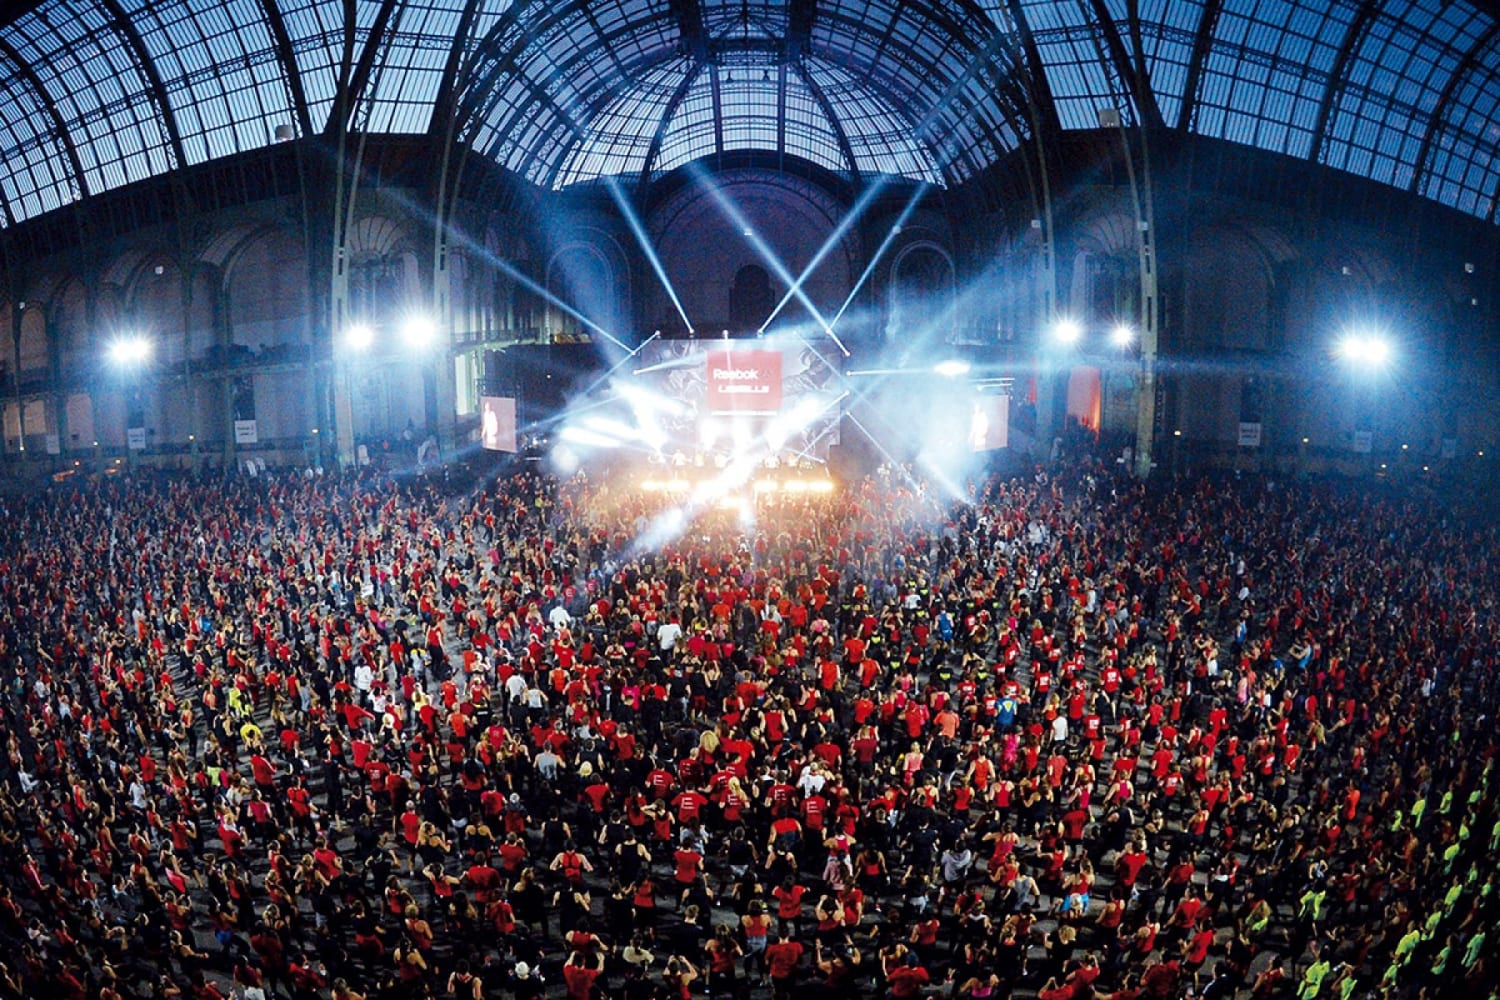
x=744 y=382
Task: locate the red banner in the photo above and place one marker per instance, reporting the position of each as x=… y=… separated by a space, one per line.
x=744 y=381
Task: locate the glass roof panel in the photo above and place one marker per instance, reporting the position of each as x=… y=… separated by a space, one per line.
x=316 y=28
x=93 y=80
x=406 y=84
x=568 y=89
x=1268 y=69
x=879 y=136
x=221 y=106
x=37 y=176
x=693 y=131
x=1394 y=81
x=1071 y=48
x=620 y=135
x=1463 y=165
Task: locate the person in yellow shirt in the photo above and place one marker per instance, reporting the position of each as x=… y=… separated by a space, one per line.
x=1312 y=979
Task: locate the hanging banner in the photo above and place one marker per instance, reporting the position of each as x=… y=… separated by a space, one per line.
x=1363 y=442
x=54 y=444
x=1450 y=447
x=1249 y=434
x=135 y=439
x=246 y=432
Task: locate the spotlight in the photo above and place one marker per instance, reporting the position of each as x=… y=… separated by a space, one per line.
x=130 y=350
x=1067 y=331
x=359 y=337
x=951 y=368
x=1369 y=350
x=1122 y=335
x=418 y=332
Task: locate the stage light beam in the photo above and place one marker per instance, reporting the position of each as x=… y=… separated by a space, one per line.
x=885 y=244
x=641 y=237
x=736 y=217
x=858 y=209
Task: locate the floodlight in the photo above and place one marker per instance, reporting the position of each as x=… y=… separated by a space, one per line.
x=1369 y=350
x=951 y=368
x=125 y=351
x=359 y=337
x=1122 y=335
x=1067 y=330
x=418 y=332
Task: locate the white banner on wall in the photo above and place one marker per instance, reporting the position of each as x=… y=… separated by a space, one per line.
x=1364 y=441
x=54 y=444
x=135 y=439
x=1249 y=434
x=1450 y=447
x=246 y=432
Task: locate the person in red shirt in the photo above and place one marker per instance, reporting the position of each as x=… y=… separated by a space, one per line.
x=689 y=804
x=580 y=975
x=907 y=979
x=788 y=896
x=1160 y=980
x=781 y=960
x=689 y=862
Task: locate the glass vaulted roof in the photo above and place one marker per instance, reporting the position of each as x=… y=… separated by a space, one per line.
x=97 y=94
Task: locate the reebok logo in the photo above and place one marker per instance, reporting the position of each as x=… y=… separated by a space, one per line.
x=736 y=374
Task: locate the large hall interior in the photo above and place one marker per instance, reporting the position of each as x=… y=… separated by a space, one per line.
x=713 y=498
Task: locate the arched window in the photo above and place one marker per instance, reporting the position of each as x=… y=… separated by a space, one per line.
x=750 y=298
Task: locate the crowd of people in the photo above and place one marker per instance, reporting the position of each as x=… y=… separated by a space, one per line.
x=1068 y=736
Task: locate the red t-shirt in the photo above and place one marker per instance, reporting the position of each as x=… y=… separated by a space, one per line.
x=688 y=863
x=908 y=980
x=782 y=958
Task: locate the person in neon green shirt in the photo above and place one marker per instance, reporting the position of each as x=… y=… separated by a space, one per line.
x=1474 y=949
x=1310 y=906
x=1440 y=964
x=1408 y=942
x=1417 y=809
x=1454 y=892
x=1312 y=979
